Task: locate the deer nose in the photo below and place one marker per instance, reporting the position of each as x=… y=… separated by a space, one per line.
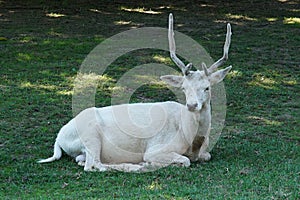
x=192 y=107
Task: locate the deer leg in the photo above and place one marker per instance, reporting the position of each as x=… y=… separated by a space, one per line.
x=80 y=159
x=203 y=154
x=92 y=147
x=125 y=167
x=163 y=159
x=152 y=162
x=92 y=163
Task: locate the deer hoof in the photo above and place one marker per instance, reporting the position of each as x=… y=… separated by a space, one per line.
x=204 y=156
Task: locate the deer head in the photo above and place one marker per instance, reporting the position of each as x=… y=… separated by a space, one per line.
x=196 y=84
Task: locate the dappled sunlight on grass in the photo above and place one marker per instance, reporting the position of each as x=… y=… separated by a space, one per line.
x=295 y=10
x=121 y=22
x=291 y=20
x=263 y=81
x=204 y=5
x=37 y=86
x=94 y=10
x=24 y=57
x=171 y=7
x=85 y=83
x=241 y=17
x=271 y=81
x=65 y=92
x=235 y=74
x=46 y=87
x=140 y=10
x=291 y=2
x=264 y=121
x=154 y=186
x=162 y=59
x=52 y=32
x=55 y=15
x=3 y=38
x=26 y=39
x=272 y=19
x=86 y=79
x=290 y=82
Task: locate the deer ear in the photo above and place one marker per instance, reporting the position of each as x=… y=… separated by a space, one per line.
x=219 y=75
x=175 y=81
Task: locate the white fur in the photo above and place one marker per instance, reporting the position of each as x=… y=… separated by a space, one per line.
x=143 y=136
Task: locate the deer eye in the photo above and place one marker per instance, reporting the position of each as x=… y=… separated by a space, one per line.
x=206 y=89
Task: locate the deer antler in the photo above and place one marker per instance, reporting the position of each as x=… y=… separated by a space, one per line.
x=184 y=68
x=217 y=64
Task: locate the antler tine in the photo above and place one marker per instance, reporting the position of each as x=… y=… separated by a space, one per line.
x=217 y=64
x=205 y=69
x=172 y=47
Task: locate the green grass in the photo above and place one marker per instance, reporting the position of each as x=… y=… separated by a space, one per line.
x=257 y=156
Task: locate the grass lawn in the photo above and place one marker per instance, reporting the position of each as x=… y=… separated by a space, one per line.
x=42 y=46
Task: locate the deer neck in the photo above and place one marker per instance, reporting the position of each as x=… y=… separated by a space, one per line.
x=197 y=130
x=197 y=123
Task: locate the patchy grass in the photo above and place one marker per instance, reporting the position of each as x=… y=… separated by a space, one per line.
x=42 y=46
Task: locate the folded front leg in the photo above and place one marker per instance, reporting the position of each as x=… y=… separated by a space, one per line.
x=80 y=159
x=125 y=167
x=93 y=152
x=164 y=159
x=203 y=154
x=92 y=164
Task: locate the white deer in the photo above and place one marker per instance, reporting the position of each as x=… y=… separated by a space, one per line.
x=138 y=137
